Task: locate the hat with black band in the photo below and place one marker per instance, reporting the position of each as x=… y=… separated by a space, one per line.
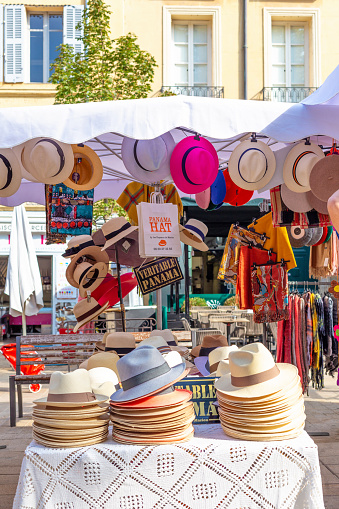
x=10 y=173
x=116 y=229
x=85 y=311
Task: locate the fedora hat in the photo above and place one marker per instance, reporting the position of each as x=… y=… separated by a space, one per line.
x=194 y=164
x=121 y=342
x=70 y=390
x=10 y=172
x=91 y=255
x=109 y=289
x=85 y=311
x=77 y=244
x=103 y=381
x=203 y=199
x=87 y=170
x=298 y=202
x=298 y=166
x=158 y=342
x=316 y=235
x=298 y=236
x=104 y=360
x=251 y=165
x=278 y=178
x=209 y=343
x=324 y=178
x=235 y=195
x=89 y=276
x=49 y=161
x=127 y=247
x=318 y=205
x=218 y=189
x=223 y=368
x=144 y=371
x=167 y=334
x=164 y=399
x=148 y=160
x=253 y=373
x=116 y=229
x=208 y=365
x=193 y=234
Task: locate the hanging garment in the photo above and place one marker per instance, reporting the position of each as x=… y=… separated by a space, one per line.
x=309 y=328
x=328 y=324
x=277 y=239
x=270 y=293
x=304 y=366
x=320 y=260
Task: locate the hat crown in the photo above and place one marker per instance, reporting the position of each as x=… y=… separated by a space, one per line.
x=114 y=225
x=78 y=240
x=157 y=341
x=303 y=168
x=83 y=306
x=120 y=340
x=150 y=154
x=5 y=166
x=166 y=334
x=196 y=224
x=101 y=375
x=252 y=164
x=220 y=353
x=173 y=358
x=217 y=340
x=251 y=360
x=140 y=360
x=77 y=381
x=103 y=359
x=198 y=162
x=45 y=157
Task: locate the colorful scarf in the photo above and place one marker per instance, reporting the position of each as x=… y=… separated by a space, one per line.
x=270 y=293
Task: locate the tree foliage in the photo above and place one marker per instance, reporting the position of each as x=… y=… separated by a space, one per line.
x=103 y=210
x=106 y=69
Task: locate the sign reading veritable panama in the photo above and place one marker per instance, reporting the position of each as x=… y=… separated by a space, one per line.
x=203 y=397
x=157 y=274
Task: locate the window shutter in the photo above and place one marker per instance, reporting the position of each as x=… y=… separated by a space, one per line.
x=1 y=42
x=72 y=16
x=14 y=25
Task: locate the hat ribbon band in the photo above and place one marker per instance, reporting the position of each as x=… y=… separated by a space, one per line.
x=204 y=351
x=119 y=351
x=91 y=312
x=89 y=281
x=172 y=343
x=136 y=156
x=195 y=230
x=146 y=376
x=213 y=368
x=258 y=378
x=258 y=150
x=111 y=235
x=76 y=397
x=164 y=349
x=9 y=171
x=74 y=250
x=60 y=153
x=84 y=273
x=184 y=168
x=294 y=169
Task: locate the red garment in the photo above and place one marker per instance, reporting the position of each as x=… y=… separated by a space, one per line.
x=280 y=340
x=287 y=340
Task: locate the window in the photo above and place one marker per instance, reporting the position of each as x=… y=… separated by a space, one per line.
x=191 y=53
x=45 y=35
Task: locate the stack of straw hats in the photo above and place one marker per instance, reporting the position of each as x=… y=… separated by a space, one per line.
x=260 y=400
x=208 y=365
x=71 y=415
x=147 y=409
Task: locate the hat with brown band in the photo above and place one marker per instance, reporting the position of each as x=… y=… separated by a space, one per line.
x=209 y=343
x=208 y=365
x=91 y=255
x=90 y=276
x=85 y=311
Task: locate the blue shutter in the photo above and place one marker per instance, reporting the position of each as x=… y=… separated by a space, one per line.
x=14 y=37
x=72 y=16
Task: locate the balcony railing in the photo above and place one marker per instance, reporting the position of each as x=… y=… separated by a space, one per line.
x=199 y=91
x=286 y=94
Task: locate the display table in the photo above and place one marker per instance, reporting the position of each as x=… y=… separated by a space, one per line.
x=210 y=471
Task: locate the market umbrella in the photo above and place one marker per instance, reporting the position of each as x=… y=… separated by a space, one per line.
x=23 y=281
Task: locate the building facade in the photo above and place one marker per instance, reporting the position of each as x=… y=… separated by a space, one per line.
x=264 y=50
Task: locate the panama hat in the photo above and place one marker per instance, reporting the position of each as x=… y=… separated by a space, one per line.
x=77 y=244
x=104 y=360
x=278 y=178
x=333 y=209
x=209 y=343
x=109 y=288
x=218 y=189
x=298 y=202
x=235 y=195
x=88 y=276
x=148 y=160
x=251 y=165
x=70 y=390
x=208 y=365
x=87 y=170
x=158 y=342
x=316 y=234
x=10 y=173
x=254 y=373
x=102 y=374
x=49 y=161
x=298 y=236
x=167 y=334
x=49 y=442
x=85 y=311
x=194 y=164
x=116 y=229
x=193 y=234
x=70 y=413
x=121 y=342
x=24 y=173
x=79 y=423
x=203 y=199
x=318 y=205
x=223 y=368
x=298 y=166
x=127 y=247
x=143 y=372
x=92 y=255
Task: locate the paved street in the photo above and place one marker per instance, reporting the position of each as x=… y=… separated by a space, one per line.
x=322 y=409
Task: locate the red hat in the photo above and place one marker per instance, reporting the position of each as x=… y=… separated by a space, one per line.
x=194 y=165
x=108 y=290
x=235 y=195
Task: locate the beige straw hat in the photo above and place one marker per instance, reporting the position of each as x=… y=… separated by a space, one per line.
x=104 y=360
x=87 y=170
x=121 y=342
x=85 y=311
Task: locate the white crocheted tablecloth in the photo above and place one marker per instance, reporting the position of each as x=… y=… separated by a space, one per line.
x=211 y=471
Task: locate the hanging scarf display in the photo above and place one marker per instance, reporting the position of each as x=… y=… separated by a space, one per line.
x=270 y=293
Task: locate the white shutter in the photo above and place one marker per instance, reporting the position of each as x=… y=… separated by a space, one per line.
x=72 y=16
x=1 y=42
x=14 y=37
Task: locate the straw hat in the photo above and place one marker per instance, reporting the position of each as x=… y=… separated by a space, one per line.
x=102 y=375
x=116 y=229
x=85 y=311
x=251 y=165
x=235 y=195
x=223 y=368
x=121 y=342
x=298 y=202
x=144 y=371
x=10 y=172
x=194 y=164
x=254 y=373
x=49 y=161
x=148 y=160
x=70 y=390
x=208 y=365
x=324 y=177
x=318 y=205
x=88 y=277
x=87 y=170
x=77 y=244
x=209 y=343
x=193 y=234
x=103 y=360
x=298 y=166
x=167 y=335
x=92 y=255
x=157 y=342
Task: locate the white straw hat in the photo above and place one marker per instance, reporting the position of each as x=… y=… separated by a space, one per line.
x=208 y=365
x=10 y=172
x=193 y=234
x=298 y=166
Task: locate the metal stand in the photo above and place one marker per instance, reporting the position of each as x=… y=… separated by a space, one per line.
x=187 y=283
x=122 y=305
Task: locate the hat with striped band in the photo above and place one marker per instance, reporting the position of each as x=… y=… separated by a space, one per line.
x=85 y=311
x=193 y=234
x=116 y=229
x=298 y=165
x=158 y=342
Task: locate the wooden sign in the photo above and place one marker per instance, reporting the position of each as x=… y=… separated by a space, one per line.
x=203 y=397
x=157 y=274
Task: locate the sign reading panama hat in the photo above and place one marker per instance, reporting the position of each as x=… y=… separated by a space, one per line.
x=194 y=164
x=298 y=166
x=91 y=255
x=70 y=389
x=77 y=244
x=116 y=229
x=298 y=202
x=235 y=195
x=193 y=234
x=87 y=170
x=144 y=371
x=298 y=236
x=318 y=205
x=121 y=342
x=10 y=173
x=324 y=178
x=89 y=276
x=203 y=199
x=49 y=161
x=218 y=189
x=208 y=365
x=208 y=344
x=251 y=164
x=85 y=311
x=148 y=160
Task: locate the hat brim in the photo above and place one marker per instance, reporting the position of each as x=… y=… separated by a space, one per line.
x=201 y=363
x=111 y=293
x=290 y=160
x=269 y=437
x=86 y=285
x=198 y=244
x=316 y=236
x=203 y=199
x=15 y=165
x=99 y=398
x=140 y=174
x=157 y=401
x=96 y=164
x=72 y=443
x=298 y=202
x=72 y=424
x=324 y=177
x=121 y=235
x=233 y=165
x=183 y=437
x=218 y=189
x=318 y=205
x=91 y=317
x=92 y=251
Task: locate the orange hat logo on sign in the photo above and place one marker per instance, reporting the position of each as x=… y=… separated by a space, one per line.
x=163 y=242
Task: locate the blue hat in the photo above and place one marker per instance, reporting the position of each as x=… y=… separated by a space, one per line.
x=218 y=189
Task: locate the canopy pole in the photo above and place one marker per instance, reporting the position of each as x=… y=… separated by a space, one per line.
x=122 y=305
x=24 y=328
x=187 y=283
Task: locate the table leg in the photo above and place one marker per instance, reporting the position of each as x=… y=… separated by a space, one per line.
x=228 y=332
